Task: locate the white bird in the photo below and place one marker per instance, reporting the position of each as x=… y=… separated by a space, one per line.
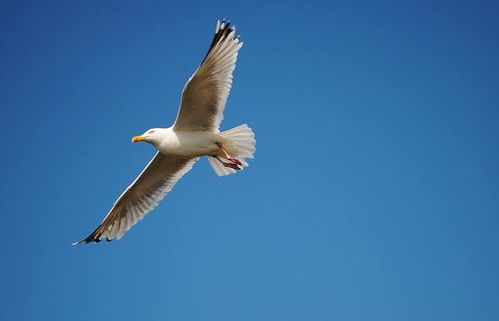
x=195 y=133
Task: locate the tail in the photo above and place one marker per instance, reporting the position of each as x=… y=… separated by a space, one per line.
x=239 y=142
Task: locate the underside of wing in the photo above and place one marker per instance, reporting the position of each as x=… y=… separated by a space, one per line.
x=205 y=94
x=142 y=196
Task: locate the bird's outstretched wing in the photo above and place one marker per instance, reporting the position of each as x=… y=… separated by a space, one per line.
x=143 y=195
x=205 y=93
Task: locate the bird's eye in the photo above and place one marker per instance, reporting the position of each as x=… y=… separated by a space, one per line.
x=151 y=132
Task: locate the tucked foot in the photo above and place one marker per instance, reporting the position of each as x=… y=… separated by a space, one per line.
x=236 y=161
x=233 y=160
x=232 y=164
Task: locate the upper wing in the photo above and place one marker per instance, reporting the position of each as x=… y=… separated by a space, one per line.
x=205 y=93
x=143 y=195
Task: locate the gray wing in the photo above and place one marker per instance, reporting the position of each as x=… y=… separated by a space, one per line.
x=205 y=93
x=141 y=197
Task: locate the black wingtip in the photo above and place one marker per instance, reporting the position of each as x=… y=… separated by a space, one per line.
x=85 y=241
x=223 y=30
x=94 y=237
x=90 y=239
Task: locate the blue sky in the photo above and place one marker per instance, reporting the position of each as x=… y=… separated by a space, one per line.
x=373 y=194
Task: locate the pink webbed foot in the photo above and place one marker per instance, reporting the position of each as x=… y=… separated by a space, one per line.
x=232 y=165
x=234 y=162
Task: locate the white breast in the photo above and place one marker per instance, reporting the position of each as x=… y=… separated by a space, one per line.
x=189 y=144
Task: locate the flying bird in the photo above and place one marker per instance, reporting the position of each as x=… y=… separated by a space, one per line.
x=195 y=133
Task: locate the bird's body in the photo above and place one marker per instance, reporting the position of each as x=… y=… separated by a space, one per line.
x=188 y=143
x=195 y=133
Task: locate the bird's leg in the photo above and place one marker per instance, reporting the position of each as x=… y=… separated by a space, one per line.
x=227 y=155
x=230 y=165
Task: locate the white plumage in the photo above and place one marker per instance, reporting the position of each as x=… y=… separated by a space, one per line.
x=195 y=133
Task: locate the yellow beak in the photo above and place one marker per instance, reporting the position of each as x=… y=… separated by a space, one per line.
x=138 y=139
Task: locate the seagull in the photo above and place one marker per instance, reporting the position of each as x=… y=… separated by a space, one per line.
x=195 y=133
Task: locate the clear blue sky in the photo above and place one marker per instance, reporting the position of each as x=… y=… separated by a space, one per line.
x=374 y=194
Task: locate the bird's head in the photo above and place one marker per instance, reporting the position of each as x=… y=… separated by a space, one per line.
x=150 y=136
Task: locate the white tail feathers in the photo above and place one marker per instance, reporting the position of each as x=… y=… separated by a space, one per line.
x=239 y=142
